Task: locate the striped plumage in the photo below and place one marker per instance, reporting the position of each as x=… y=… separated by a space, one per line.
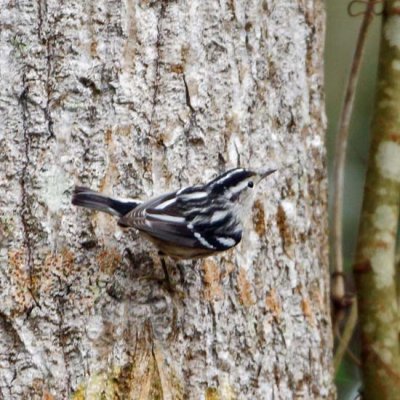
x=191 y=222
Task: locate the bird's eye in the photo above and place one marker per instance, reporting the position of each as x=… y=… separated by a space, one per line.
x=250 y=184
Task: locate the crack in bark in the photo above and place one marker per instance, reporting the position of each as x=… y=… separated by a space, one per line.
x=188 y=103
x=42 y=11
x=157 y=64
x=40 y=18
x=9 y=332
x=213 y=345
x=25 y=209
x=192 y=119
x=61 y=337
x=47 y=113
x=15 y=342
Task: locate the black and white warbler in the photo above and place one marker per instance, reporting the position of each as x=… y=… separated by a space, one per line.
x=196 y=221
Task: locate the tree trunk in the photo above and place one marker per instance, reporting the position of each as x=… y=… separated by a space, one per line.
x=135 y=98
x=375 y=259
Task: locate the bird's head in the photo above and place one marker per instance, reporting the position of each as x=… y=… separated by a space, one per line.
x=238 y=185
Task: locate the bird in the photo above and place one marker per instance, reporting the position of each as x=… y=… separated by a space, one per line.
x=192 y=222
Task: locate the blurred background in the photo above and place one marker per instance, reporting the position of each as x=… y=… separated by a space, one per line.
x=341 y=36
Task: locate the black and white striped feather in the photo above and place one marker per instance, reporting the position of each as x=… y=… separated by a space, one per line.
x=191 y=222
x=185 y=218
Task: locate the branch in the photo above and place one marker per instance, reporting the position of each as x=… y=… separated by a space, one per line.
x=338 y=284
x=374 y=266
x=345 y=338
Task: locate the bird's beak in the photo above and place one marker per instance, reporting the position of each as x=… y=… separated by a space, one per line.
x=264 y=173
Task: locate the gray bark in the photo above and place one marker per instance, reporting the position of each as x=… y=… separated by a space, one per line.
x=135 y=98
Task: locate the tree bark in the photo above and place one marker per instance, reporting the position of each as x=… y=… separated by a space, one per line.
x=375 y=261
x=135 y=98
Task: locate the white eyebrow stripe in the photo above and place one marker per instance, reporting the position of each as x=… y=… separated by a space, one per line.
x=234 y=172
x=239 y=187
x=166 y=217
x=226 y=241
x=194 y=196
x=219 y=216
x=165 y=204
x=203 y=241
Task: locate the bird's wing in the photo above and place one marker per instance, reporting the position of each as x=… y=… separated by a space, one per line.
x=164 y=218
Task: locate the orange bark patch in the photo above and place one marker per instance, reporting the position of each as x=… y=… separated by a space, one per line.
x=212 y=394
x=229 y=267
x=246 y=294
x=307 y=310
x=93 y=48
x=259 y=218
x=123 y=130
x=52 y=268
x=48 y=396
x=108 y=260
x=212 y=279
x=20 y=281
x=52 y=262
x=68 y=260
x=111 y=172
x=177 y=68
x=16 y=259
x=316 y=296
x=62 y=262
x=108 y=137
x=284 y=229
x=272 y=303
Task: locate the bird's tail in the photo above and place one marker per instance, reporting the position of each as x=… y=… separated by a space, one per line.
x=88 y=198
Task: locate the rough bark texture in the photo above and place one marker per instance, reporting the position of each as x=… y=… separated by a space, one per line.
x=136 y=98
x=374 y=267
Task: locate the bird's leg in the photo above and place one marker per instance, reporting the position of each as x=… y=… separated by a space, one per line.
x=166 y=274
x=181 y=273
x=171 y=287
x=164 y=266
